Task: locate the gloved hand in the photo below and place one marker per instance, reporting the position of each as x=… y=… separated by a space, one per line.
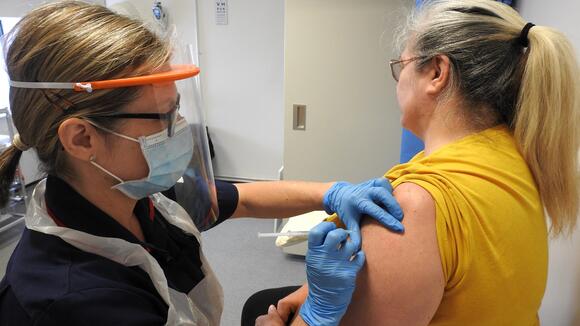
x=332 y=263
x=373 y=198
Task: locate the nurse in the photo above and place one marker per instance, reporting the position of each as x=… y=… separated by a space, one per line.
x=105 y=104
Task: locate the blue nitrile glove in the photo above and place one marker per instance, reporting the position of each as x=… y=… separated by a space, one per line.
x=350 y=202
x=331 y=274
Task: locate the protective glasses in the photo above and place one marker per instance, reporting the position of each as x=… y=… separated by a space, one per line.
x=397 y=65
x=169 y=118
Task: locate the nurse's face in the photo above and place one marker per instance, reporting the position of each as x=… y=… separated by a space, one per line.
x=124 y=157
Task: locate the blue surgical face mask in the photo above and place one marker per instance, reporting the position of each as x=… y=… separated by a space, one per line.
x=167 y=158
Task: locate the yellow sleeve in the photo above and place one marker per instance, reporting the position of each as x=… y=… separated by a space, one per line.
x=452 y=237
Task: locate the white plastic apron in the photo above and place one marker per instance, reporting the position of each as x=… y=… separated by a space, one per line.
x=202 y=306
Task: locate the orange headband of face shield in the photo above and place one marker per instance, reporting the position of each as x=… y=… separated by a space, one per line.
x=176 y=72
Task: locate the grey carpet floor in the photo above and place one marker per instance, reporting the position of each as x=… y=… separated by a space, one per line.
x=246 y=264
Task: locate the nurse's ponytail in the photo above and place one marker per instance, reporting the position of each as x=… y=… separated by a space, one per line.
x=8 y=163
x=507 y=71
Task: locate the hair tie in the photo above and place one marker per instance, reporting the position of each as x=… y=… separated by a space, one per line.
x=523 y=39
x=18 y=143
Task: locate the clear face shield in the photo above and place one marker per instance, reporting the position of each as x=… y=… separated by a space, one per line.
x=195 y=191
x=171 y=134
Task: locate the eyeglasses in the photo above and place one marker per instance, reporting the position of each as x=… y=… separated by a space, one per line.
x=398 y=65
x=170 y=118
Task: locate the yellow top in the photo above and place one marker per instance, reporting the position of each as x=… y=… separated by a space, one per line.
x=491 y=229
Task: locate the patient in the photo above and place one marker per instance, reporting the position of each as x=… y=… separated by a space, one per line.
x=496 y=103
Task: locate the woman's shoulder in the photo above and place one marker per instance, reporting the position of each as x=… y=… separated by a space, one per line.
x=403 y=270
x=483 y=166
x=491 y=155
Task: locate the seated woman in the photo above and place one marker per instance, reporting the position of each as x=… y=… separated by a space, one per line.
x=496 y=102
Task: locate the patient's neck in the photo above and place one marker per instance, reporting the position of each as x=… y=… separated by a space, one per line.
x=447 y=125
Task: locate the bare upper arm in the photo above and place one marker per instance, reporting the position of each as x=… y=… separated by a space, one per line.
x=402 y=281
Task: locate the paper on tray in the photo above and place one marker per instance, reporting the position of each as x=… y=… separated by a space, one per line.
x=303 y=222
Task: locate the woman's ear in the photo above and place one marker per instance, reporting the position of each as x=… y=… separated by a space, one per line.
x=78 y=138
x=440 y=75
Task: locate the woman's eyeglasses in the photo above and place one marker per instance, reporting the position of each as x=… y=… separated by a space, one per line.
x=170 y=118
x=398 y=65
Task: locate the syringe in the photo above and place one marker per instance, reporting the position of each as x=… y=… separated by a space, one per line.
x=288 y=234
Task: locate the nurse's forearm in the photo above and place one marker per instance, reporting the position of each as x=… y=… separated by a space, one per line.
x=279 y=199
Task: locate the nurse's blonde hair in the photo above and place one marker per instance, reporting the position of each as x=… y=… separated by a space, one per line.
x=71 y=41
x=533 y=88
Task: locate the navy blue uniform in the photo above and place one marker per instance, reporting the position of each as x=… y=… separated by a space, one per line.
x=49 y=282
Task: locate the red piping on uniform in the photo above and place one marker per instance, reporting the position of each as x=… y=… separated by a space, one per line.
x=151 y=210
x=54 y=218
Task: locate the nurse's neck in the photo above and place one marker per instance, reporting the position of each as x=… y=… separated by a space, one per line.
x=97 y=190
x=449 y=123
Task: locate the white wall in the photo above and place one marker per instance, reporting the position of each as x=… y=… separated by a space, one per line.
x=242 y=82
x=561 y=305
x=182 y=13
